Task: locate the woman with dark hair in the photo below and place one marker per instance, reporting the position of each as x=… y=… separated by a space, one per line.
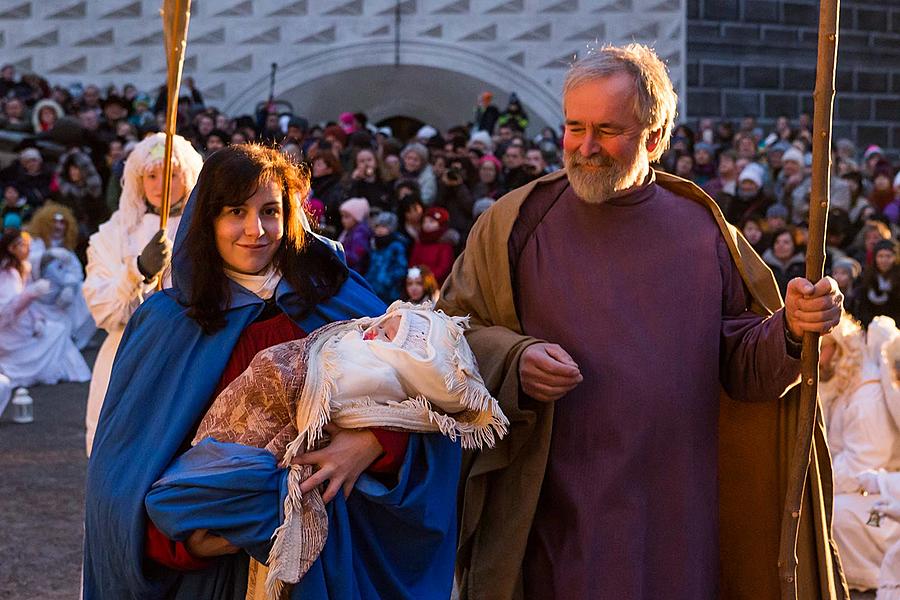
x=248 y=275
x=327 y=188
x=33 y=349
x=878 y=292
x=367 y=180
x=784 y=258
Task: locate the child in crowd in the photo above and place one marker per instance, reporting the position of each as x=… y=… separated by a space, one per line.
x=879 y=290
x=421 y=286
x=387 y=258
x=14 y=203
x=430 y=249
x=356 y=233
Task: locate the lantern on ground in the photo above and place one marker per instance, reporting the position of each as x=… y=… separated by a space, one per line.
x=23 y=407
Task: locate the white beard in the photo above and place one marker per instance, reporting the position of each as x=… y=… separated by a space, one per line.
x=598 y=186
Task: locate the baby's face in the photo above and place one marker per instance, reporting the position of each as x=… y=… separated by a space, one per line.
x=385 y=330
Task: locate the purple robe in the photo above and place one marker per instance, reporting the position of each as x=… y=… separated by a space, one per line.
x=642 y=292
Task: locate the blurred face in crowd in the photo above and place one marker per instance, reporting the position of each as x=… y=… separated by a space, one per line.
x=59 y=226
x=439 y=165
x=429 y=224
x=872 y=237
x=413 y=214
x=153 y=186
x=782 y=124
x=746 y=147
x=702 y=157
x=748 y=124
x=783 y=248
x=204 y=125
x=222 y=122
x=775 y=223
x=88 y=119
x=214 y=143
x=126 y=130
x=238 y=138
x=605 y=145
x=21 y=247
x=392 y=165
x=272 y=121
x=348 y=222
x=321 y=168
x=774 y=159
x=412 y=162
x=884 y=260
x=14 y=108
x=32 y=166
x=726 y=166
x=415 y=289
x=881 y=183
x=47 y=116
x=513 y=158
x=844 y=278
x=10 y=195
x=366 y=163
x=535 y=160
x=91 y=96
x=487 y=172
x=247 y=236
x=747 y=188
x=115 y=112
x=8 y=73
x=752 y=232
x=791 y=168
x=75 y=175
x=684 y=166
x=505 y=133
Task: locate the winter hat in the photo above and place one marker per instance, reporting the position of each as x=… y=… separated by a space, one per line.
x=491 y=159
x=30 y=154
x=385 y=219
x=439 y=214
x=385 y=131
x=872 y=150
x=346 y=120
x=849 y=264
x=481 y=205
x=752 y=173
x=358 y=208
x=704 y=147
x=426 y=132
x=484 y=138
x=418 y=148
x=12 y=220
x=885 y=245
x=299 y=122
x=780 y=146
x=792 y=154
x=777 y=211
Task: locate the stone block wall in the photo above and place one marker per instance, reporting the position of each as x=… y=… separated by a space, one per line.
x=757 y=57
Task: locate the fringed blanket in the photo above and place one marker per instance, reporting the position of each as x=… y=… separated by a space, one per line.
x=422 y=379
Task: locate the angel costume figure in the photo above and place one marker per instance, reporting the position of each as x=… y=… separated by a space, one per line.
x=863 y=437
x=129 y=253
x=409 y=370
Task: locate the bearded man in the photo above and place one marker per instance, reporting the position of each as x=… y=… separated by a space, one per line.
x=611 y=306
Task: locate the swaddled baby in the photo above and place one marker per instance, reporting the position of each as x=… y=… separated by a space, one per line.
x=409 y=370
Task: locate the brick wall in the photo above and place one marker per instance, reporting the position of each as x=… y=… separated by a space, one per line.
x=758 y=57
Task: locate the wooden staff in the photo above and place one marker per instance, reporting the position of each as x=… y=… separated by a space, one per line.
x=176 y=14
x=823 y=100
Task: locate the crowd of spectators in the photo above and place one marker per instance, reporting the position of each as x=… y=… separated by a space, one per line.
x=408 y=204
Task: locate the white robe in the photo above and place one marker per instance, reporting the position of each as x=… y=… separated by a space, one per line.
x=889 y=575
x=861 y=435
x=34 y=350
x=114 y=288
x=75 y=314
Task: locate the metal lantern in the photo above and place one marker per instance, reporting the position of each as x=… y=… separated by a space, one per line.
x=23 y=407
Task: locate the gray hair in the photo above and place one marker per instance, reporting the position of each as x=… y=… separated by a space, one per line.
x=655 y=99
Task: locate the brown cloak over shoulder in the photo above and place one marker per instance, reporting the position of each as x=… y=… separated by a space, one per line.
x=500 y=487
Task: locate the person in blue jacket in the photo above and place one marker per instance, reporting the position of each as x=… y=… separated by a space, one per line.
x=247 y=274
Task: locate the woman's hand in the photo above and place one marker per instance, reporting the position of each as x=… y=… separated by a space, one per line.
x=350 y=452
x=203 y=544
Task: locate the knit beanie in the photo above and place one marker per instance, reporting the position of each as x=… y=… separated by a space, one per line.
x=418 y=148
x=385 y=219
x=792 y=154
x=849 y=264
x=751 y=173
x=885 y=245
x=358 y=208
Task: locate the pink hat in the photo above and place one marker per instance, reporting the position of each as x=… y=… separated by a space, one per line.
x=491 y=159
x=358 y=208
x=346 y=120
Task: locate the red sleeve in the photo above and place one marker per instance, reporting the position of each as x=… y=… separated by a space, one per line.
x=444 y=264
x=393 y=444
x=170 y=554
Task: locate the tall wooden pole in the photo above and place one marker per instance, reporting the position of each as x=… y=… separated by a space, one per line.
x=823 y=101
x=176 y=15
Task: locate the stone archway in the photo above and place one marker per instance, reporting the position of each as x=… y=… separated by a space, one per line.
x=435 y=82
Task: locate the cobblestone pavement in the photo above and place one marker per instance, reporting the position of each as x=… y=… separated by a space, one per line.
x=42 y=467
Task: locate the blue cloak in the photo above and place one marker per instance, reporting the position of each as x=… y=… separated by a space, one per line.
x=396 y=542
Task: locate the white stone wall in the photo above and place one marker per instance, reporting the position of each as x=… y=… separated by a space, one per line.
x=459 y=45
